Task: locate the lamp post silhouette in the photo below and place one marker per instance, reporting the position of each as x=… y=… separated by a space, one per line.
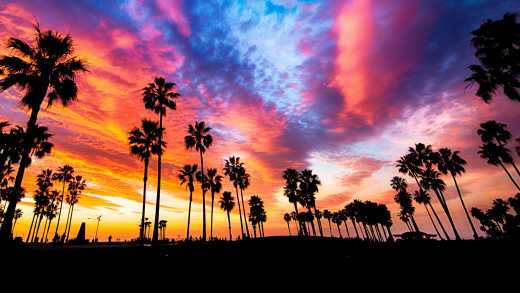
x=98 y=218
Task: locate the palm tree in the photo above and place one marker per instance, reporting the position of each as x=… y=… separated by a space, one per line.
x=199 y=138
x=144 y=142
x=227 y=204
x=243 y=183
x=64 y=175
x=45 y=70
x=162 y=226
x=232 y=169
x=422 y=197
x=309 y=187
x=496 y=43
x=215 y=183
x=256 y=208
x=496 y=155
x=41 y=200
x=404 y=199
x=430 y=180
x=287 y=219
x=76 y=187
x=186 y=176
x=496 y=132
x=50 y=212
x=350 y=212
x=452 y=163
x=17 y=215
x=291 y=191
x=337 y=220
x=159 y=96
x=328 y=216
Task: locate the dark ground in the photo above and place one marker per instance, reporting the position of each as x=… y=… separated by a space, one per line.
x=481 y=260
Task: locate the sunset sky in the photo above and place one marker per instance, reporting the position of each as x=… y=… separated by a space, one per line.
x=340 y=87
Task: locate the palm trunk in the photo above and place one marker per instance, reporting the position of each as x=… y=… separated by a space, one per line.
x=433 y=223
x=143 y=212
x=319 y=222
x=448 y=214
x=390 y=236
x=229 y=226
x=302 y=227
x=30 y=228
x=35 y=235
x=212 y=201
x=289 y=228
x=254 y=229
x=330 y=228
x=70 y=222
x=240 y=212
x=439 y=221
x=47 y=233
x=516 y=168
x=5 y=230
x=203 y=198
x=189 y=216
x=355 y=228
x=44 y=228
x=61 y=206
x=346 y=229
x=415 y=224
x=155 y=234
x=245 y=213
x=67 y=222
x=312 y=223
x=475 y=235
x=339 y=231
x=501 y=164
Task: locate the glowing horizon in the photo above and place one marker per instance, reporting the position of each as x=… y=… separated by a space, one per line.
x=340 y=87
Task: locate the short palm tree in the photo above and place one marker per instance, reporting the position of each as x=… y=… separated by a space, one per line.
x=144 y=142
x=497 y=48
x=199 y=139
x=45 y=70
x=328 y=216
x=227 y=204
x=291 y=191
x=309 y=183
x=232 y=169
x=287 y=219
x=159 y=96
x=76 y=187
x=452 y=163
x=64 y=175
x=187 y=176
x=215 y=183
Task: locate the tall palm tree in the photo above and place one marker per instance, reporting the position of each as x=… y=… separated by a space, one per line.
x=186 y=176
x=64 y=175
x=76 y=187
x=496 y=132
x=287 y=219
x=44 y=71
x=452 y=163
x=199 y=139
x=159 y=96
x=496 y=44
x=430 y=181
x=309 y=183
x=496 y=155
x=227 y=204
x=144 y=142
x=215 y=183
x=328 y=216
x=291 y=191
x=232 y=169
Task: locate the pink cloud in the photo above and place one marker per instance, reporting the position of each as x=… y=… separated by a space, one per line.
x=172 y=10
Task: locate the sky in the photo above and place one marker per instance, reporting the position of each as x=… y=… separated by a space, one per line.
x=340 y=87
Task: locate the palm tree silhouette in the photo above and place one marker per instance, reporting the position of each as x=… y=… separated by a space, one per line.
x=328 y=216
x=287 y=219
x=215 y=183
x=46 y=70
x=50 y=212
x=496 y=132
x=41 y=200
x=452 y=163
x=159 y=96
x=257 y=213
x=186 y=176
x=496 y=155
x=496 y=43
x=227 y=204
x=308 y=188
x=337 y=220
x=232 y=169
x=17 y=215
x=199 y=138
x=350 y=212
x=291 y=191
x=404 y=199
x=10 y=152
x=162 y=226
x=76 y=187
x=144 y=142
x=64 y=175
x=243 y=183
